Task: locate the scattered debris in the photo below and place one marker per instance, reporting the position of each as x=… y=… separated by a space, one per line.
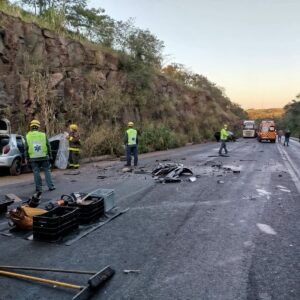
x=170 y=172
x=101 y=177
x=236 y=171
x=4 y=204
x=127 y=170
x=13 y=198
x=220 y=181
x=72 y=173
x=131 y=271
x=192 y=179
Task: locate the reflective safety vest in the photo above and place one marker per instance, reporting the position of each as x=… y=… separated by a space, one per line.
x=132 y=134
x=224 y=134
x=37 y=144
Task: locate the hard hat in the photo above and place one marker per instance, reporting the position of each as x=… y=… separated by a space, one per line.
x=225 y=125
x=35 y=123
x=130 y=124
x=73 y=127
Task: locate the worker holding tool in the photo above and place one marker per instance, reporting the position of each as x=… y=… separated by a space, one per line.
x=223 y=138
x=74 y=146
x=131 y=144
x=38 y=153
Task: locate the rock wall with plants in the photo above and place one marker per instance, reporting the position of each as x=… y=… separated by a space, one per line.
x=54 y=78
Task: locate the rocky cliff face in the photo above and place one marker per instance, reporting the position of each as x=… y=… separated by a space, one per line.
x=55 y=78
x=26 y=49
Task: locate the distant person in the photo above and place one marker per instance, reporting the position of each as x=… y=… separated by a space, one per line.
x=223 y=138
x=74 y=147
x=131 y=145
x=287 y=138
x=38 y=152
x=280 y=134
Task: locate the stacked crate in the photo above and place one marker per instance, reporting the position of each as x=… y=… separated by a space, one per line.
x=55 y=224
x=90 y=210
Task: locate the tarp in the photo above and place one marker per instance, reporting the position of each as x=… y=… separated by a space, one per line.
x=59 y=147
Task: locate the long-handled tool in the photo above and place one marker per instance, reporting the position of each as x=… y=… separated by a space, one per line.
x=85 y=292
x=47 y=270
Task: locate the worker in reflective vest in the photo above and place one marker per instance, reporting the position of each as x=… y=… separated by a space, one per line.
x=38 y=152
x=223 y=138
x=74 y=147
x=131 y=144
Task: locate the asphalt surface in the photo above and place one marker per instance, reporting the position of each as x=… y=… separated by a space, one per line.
x=228 y=235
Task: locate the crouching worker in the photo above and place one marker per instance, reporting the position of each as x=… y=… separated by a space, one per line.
x=74 y=147
x=131 y=145
x=38 y=152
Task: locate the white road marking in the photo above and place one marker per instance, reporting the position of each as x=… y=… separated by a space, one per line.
x=266 y=228
x=281 y=186
x=290 y=167
x=285 y=190
x=262 y=192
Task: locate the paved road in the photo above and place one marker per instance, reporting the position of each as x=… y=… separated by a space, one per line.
x=226 y=236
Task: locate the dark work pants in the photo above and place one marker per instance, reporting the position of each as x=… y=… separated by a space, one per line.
x=73 y=159
x=131 y=150
x=286 y=141
x=223 y=146
x=36 y=168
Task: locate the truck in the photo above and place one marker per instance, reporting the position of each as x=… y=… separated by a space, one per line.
x=249 y=130
x=267 y=131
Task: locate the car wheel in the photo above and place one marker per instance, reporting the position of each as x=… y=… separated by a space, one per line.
x=15 y=168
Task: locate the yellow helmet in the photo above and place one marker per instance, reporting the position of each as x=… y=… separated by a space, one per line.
x=130 y=124
x=225 y=125
x=74 y=127
x=35 y=123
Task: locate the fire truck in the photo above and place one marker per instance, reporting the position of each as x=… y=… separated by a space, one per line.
x=267 y=131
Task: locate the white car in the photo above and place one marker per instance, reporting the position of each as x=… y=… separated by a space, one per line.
x=12 y=149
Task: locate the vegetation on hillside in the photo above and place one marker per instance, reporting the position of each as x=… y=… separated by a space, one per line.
x=268 y=113
x=164 y=121
x=291 y=117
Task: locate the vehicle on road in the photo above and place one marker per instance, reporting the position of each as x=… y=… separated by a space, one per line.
x=12 y=149
x=249 y=130
x=267 y=131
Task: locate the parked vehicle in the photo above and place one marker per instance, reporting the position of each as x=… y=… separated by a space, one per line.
x=267 y=131
x=249 y=129
x=12 y=149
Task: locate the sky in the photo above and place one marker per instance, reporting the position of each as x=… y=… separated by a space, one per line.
x=249 y=47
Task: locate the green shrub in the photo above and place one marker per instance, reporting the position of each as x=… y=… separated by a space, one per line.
x=154 y=138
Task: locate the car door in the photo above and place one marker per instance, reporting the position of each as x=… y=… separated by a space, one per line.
x=5 y=126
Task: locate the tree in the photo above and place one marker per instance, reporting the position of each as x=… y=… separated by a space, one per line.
x=146 y=47
x=92 y=23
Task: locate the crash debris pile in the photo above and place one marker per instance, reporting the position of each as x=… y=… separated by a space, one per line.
x=62 y=216
x=171 y=172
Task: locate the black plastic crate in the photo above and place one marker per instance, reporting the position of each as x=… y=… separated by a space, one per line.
x=55 y=217
x=90 y=212
x=52 y=236
x=55 y=224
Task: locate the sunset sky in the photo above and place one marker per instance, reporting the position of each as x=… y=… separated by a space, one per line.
x=249 y=47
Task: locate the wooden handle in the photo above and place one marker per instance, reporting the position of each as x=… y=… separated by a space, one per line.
x=43 y=280
x=47 y=270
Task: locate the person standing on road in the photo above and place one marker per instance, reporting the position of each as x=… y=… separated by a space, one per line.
x=280 y=134
x=38 y=153
x=74 y=147
x=223 y=138
x=287 y=137
x=131 y=144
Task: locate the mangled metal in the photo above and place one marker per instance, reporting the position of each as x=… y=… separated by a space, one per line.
x=170 y=172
